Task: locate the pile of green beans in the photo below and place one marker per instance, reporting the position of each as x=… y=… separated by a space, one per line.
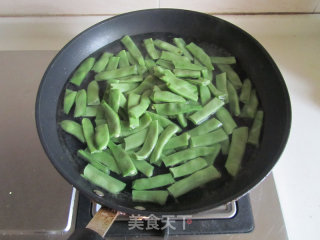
x=176 y=108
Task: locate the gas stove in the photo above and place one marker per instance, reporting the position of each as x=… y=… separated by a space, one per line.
x=37 y=203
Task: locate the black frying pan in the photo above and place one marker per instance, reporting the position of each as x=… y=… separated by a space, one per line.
x=217 y=37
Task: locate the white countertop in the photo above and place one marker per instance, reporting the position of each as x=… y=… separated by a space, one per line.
x=294 y=43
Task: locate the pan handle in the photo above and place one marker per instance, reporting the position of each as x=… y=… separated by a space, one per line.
x=97 y=227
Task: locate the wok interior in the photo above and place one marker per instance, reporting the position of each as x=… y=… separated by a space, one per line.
x=217 y=38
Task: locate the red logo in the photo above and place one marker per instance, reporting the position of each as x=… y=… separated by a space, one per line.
x=189 y=221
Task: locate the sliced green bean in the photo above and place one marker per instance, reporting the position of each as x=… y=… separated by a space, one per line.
x=163 y=139
x=156 y=196
x=249 y=110
x=163 y=121
x=144 y=167
x=114 y=99
x=232 y=76
x=195 y=180
x=153 y=182
x=97 y=164
x=199 y=81
x=144 y=122
x=88 y=132
x=169 y=56
x=138 y=110
x=131 y=79
x=166 y=96
x=151 y=50
x=180 y=43
x=187 y=66
x=133 y=100
x=245 y=91
x=223 y=60
x=123 y=61
x=117 y=73
x=206 y=127
x=93 y=93
x=187 y=73
x=150 y=141
x=188 y=168
x=217 y=93
x=91 y=111
x=171 y=109
x=150 y=64
x=221 y=82
x=205 y=94
x=112 y=120
x=182 y=120
x=81 y=103
x=226 y=119
x=102 y=136
x=103 y=180
x=178 y=142
x=68 y=101
x=212 y=157
x=102 y=62
x=112 y=64
x=255 y=131
x=165 y=64
x=167 y=46
x=124 y=87
x=208 y=139
x=146 y=84
x=186 y=155
x=200 y=54
x=236 y=151
x=225 y=145
x=82 y=71
x=131 y=60
x=210 y=108
x=73 y=128
x=135 y=140
x=233 y=100
x=133 y=49
x=123 y=160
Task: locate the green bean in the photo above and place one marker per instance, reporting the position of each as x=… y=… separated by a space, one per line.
x=199 y=81
x=68 y=101
x=180 y=43
x=187 y=66
x=195 y=180
x=217 y=93
x=93 y=93
x=163 y=139
x=187 y=154
x=124 y=87
x=206 y=127
x=165 y=64
x=102 y=136
x=153 y=182
x=237 y=149
x=133 y=49
x=182 y=120
x=112 y=120
x=221 y=82
x=91 y=111
x=210 y=108
x=212 y=157
x=112 y=64
x=146 y=84
x=100 y=117
x=103 y=157
x=157 y=196
x=245 y=91
x=166 y=96
x=225 y=146
x=163 y=121
x=144 y=167
x=97 y=164
x=88 y=132
x=130 y=79
x=133 y=100
x=123 y=61
x=150 y=64
x=233 y=100
x=81 y=103
x=151 y=50
x=138 y=110
x=102 y=62
x=225 y=117
x=131 y=60
x=169 y=56
x=178 y=142
x=197 y=62
x=102 y=180
x=255 y=130
x=135 y=140
x=114 y=99
x=73 y=128
x=200 y=54
x=167 y=46
x=205 y=94
x=123 y=160
x=117 y=73
x=188 y=168
x=187 y=73
x=223 y=60
x=82 y=71
x=249 y=110
x=207 y=139
x=171 y=109
x=232 y=76
x=142 y=70
x=144 y=122
x=150 y=142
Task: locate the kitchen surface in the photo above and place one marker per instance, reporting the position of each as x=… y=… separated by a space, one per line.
x=36 y=201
